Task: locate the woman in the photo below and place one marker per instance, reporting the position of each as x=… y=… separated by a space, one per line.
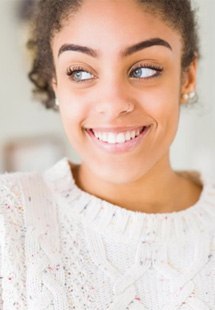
x=122 y=230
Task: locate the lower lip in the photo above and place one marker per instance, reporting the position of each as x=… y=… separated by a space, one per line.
x=118 y=147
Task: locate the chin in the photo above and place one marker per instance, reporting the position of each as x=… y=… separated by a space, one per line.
x=120 y=175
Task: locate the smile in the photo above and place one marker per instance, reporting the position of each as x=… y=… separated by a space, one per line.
x=116 y=140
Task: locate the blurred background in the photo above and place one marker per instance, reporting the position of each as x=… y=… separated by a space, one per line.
x=32 y=138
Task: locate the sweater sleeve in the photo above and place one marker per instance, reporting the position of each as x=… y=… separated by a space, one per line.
x=3 y=190
x=1 y=302
x=11 y=243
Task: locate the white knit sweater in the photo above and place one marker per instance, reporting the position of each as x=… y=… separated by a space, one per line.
x=62 y=248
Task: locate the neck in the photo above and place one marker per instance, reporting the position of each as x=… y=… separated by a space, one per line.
x=159 y=190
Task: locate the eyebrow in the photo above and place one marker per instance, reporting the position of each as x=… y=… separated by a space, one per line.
x=128 y=51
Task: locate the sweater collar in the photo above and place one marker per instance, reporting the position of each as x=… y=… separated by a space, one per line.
x=106 y=217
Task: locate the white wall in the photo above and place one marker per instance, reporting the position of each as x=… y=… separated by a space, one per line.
x=194 y=147
x=20 y=116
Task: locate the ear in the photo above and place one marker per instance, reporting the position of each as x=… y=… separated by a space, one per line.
x=189 y=79
x=54 y=85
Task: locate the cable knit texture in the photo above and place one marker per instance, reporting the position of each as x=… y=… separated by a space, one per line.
x=62 y=248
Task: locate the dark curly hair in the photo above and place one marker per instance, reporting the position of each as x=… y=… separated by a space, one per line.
x=48 y=19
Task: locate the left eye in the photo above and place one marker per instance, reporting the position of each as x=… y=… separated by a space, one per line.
x=145 y=72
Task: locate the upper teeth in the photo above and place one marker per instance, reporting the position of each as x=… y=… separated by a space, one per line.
x=113 y=138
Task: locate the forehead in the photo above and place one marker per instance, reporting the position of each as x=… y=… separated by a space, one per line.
x=110 y=25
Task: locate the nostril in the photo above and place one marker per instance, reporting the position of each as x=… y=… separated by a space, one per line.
x=114 y=107
x=127 y=109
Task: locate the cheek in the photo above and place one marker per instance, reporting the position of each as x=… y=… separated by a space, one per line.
x=162 y=104
x=72 y=116
x=164 y=109
x=75 y=99
x=73 y=107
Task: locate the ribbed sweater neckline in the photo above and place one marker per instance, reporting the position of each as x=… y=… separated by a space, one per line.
x=126 y=225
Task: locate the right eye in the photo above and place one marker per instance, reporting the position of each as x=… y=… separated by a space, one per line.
x=78 y=74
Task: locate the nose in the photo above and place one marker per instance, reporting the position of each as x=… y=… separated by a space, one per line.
x=114 y=100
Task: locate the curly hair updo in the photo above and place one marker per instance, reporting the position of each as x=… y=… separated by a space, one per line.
x=50 y=14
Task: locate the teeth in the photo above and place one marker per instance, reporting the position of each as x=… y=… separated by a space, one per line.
x=96 y=134
x=113 y=138
x=127 y=136
x=104 y=137
x=120 y=138
x=133 y=134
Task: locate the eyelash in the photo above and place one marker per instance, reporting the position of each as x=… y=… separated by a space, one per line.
x=71 y=70
x=159 y=69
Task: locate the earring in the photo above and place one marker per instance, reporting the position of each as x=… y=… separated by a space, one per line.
x=57 y=102
x=191 y=96
x=185 y=97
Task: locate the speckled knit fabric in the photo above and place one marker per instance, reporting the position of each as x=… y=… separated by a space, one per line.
x=62 y=249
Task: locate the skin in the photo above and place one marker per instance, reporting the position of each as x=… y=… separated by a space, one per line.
x=129 y=179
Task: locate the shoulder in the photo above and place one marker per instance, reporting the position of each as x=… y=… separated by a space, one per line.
x=200 y=178
x=12 y=191
x=9 y=188
x=18 y=189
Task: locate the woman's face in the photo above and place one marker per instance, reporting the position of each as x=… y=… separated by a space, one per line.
x=118 y=74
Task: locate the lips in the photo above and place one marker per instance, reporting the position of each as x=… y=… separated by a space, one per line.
x=116 y=135
x=117 y=140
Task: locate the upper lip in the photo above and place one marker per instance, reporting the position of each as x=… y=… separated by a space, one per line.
x=116 y=129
